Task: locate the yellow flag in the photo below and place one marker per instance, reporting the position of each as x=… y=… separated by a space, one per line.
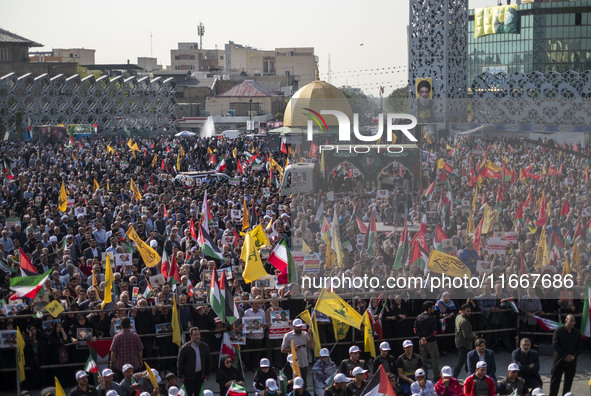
x=276 y=167
x=154 y=160
x=130 y=144
x=63 y=202
x=20 y=354
x=176 y=327
x=270 y=225
x=295 y=365
x=96 y=185
x=259 y=237
x=427 y=138
x=442 y=263
x=490 y=218
x=305 y=248
x=329 y=303
x=134 y=189
x=470 y=225
x=541 y=250
x=440 y=163
x=108 y=284
x=54 y=308
x=59 y=391
x=109 y=150
x=253 y=268
x=544 y=170
x=135 y=147
x=235 y=152
x=505 y=159
x=149 y=255
x=312 y=324
x=335 y=242
x=493 y=166
x=152 y=376
x=448 y=147
x=178 y=162
x=340 y=329
x=368 y=343
x=566 y=268
x=209 y=150
x=245 y=216
x=475 y=198
x=182 y=151
x=576 y=256
x=108 y=188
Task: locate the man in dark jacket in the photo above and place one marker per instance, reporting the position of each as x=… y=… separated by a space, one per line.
x=528 y=361
x=481 y=353
x=385 y=359
x=194 y=365
x=567 y=346
x=426 y=328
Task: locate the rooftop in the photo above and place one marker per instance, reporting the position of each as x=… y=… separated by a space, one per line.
x=247 y=88
x=8 y=37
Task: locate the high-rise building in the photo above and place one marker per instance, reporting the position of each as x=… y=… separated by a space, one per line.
x=551 y=36
x=189 y=56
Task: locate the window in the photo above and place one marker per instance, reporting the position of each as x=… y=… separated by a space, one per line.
x=578 y=19
x=4 y=54
x=176 y=57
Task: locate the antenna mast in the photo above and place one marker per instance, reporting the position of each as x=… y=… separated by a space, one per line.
x=201 y=33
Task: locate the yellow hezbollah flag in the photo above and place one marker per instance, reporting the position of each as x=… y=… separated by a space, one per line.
x=154 y=160
x=576 y=255
x=259 y=237
x=340 y=329
x=490 y=218
x=329 y=303
x=566 y=268
x=245 y=217
x=235 y=152
x=295 y=365
x=149 y=255
x=178 y=162
x=96 y=185
x=176 y=327
x=133 y=187
x=59 y=391
x=368 y=343
x=152 y=376
x=442 y=263
x=182 y=151
x=475 y=198
x=63 y=202
x=20 y=354
x=55 y=308
x=253 y=269
x=109 y=150
x=108 y=284
x=312 y=324
x=440 y=163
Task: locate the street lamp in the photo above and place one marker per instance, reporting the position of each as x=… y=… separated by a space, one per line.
x=249 y=115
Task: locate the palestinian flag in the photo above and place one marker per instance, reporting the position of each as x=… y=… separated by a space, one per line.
x=209 y=248
x=511 y=303
x=91 y=366
x=402 y=251
x=419 y=256
x=231 y=310
x=28 y=286
x=585 y=324
x=99 y=352
x=174 y=278
x=216 y=300
x=6 y=269
x=7 y=170
x=148 y=290
x=281 y=259
x=547 y=324
x=378 y=384
x=370 y=236
x=236 y=390
x=438 y=238
x=428 y=194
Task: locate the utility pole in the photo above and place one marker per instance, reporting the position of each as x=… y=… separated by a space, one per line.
x=201 y=33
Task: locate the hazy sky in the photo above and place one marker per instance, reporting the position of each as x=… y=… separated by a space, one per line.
x=120 y=30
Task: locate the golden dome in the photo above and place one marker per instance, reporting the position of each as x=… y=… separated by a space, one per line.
x=317 y=96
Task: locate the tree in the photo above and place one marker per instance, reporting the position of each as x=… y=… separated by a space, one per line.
x=83 y=72
x=397 y=101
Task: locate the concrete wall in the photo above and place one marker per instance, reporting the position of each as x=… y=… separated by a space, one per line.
x=82 y=56
x=52 y=69
x=196 y=59
x=221 y=105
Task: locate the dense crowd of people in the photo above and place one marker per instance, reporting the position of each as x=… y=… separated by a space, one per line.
x=538 y=205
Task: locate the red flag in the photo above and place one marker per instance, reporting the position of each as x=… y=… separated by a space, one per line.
x=25 y=263
x=236 y=236
x=192 y=229
x=543 y=216
x=527 y=202
x=313 y=150
x=283 y=148
x=362 y=227
x=174 y=270
x=165 y=212
x=565 y=209
x=162 y=164
x=239 y=167
x=167 y=149
x=477 y=234
x=164 y=265
x=152 y=179
x=578 y=231
x=519 y=213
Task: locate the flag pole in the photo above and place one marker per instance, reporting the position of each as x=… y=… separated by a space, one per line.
x=18 y=379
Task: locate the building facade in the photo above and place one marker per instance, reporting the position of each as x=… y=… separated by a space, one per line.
x=188 y=56
x=552 y=36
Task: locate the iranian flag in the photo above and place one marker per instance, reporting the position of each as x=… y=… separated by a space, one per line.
x=28 y=286
x=221 y=166
x=7 y=170
x=227 y=348
x=215 y=298
x=164 y=266
x=585 y=324
x=281 y=259
x=370 y=236
x=236 y=390
x=209 y=248
x=91 y=366
x=232 y=313
x=438 y=238
x=547 y=324
x=379 y=384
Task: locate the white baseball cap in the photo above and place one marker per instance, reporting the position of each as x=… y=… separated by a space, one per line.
x=384 y=346
x=419 y=373
x=298 y=383
x=80 y=374
x=173 y=391
x=324 y=352
x=480 y=364
x=538 y=392
x=298 y=323
x=513 y=367
x=126 y=367
x=114 y=393
x=354 y=349
x=341 y=378
x=107 y=372
x=406 y=343
x=144 y=394
x=157 y=375
x=271 y=384
x=265 y=363
x=569 y=394
x=358 y=370
x=207 y=392
x=289 y=358
x=446 y=371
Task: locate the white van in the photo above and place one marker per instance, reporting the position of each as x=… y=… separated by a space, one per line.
x=231 y=133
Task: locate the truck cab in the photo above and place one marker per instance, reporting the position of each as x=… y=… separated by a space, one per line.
x=298 y=178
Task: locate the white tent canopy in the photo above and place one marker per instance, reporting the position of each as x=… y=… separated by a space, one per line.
x=185 y=133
